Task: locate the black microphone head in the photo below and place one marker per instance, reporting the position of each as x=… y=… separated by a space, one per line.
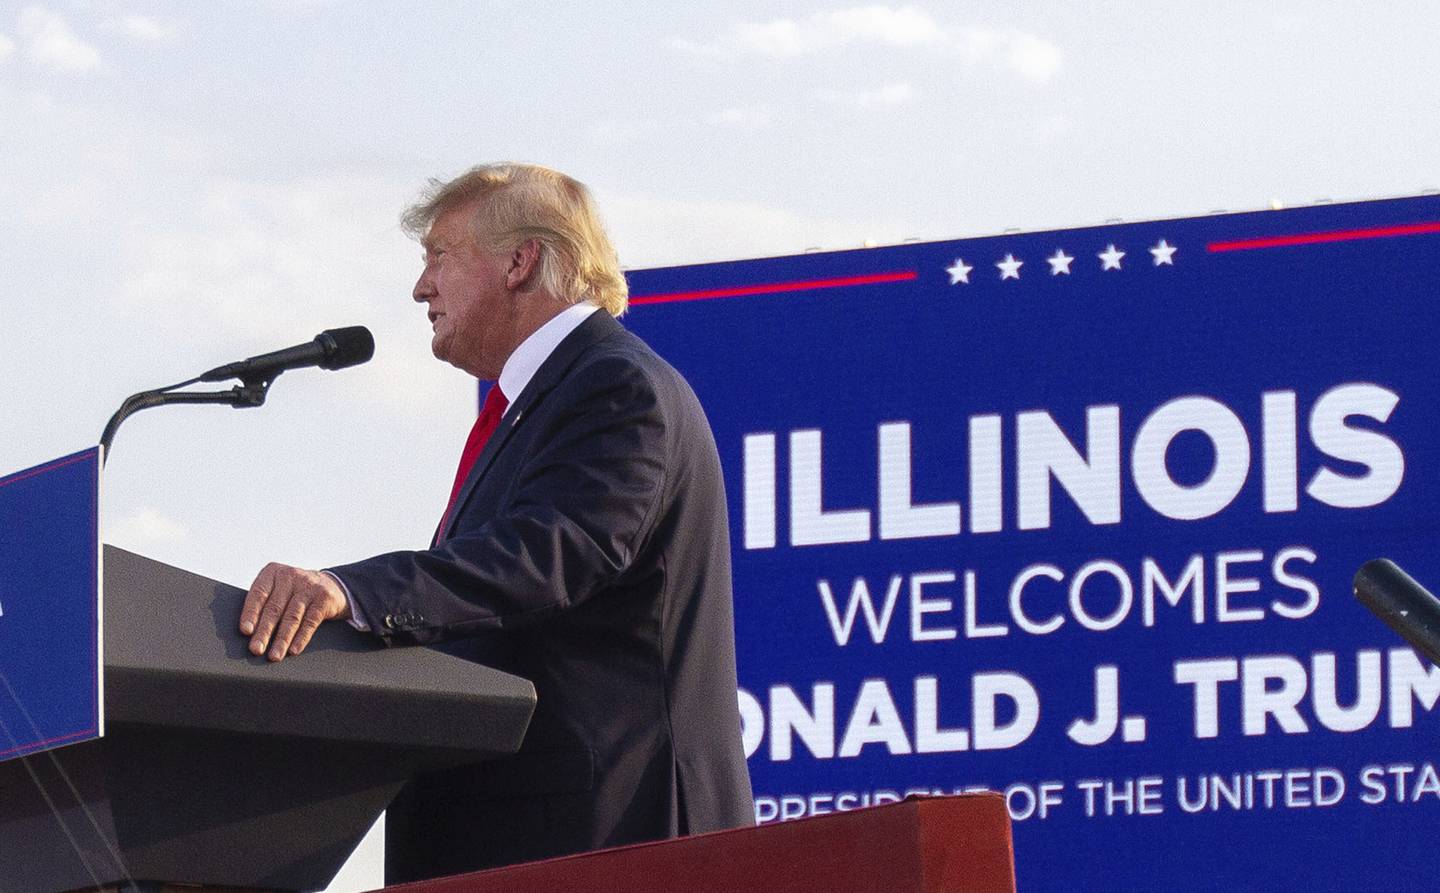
x=1404 y=605
x=346 y=347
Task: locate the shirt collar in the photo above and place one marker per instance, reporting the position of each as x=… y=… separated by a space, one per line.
x=535 y=350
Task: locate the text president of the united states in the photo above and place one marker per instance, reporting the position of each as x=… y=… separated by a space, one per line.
x=585 y=548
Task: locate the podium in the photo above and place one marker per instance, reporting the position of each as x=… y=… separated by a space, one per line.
x=220 y=768
x=925 y=845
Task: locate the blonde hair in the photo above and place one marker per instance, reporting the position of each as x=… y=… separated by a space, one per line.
x=526 y=201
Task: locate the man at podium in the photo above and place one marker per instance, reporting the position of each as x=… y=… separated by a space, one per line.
x=584 y=547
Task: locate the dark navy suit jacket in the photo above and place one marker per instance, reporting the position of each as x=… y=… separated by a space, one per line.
x=589 y=553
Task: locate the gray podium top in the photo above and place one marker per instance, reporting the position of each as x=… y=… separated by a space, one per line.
x=174 y=657
x=221 y=768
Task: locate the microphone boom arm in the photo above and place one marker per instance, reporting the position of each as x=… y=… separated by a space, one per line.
x=249 y=393
x=331 y=349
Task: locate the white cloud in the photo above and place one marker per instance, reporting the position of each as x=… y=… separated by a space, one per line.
x=1033 y=58
x=175 y=255
x=697 y=48
x=255 y=257
x=621 y=131
x=147 y=28
x=890 y=94
x=144 y=528
x=744 y=117
x=7 y=47
x=905 y=26
x=1049 y=128
x=653 y=231
x=93 y=162
x=257 y=265
x=300 y=7
x=51 y=43
x=1030 y=56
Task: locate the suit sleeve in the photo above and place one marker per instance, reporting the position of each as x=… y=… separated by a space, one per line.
x=578 y=510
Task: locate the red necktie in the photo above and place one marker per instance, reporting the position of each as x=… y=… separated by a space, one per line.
x=485 y=424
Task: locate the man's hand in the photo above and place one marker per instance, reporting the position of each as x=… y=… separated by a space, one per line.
x=291 y=603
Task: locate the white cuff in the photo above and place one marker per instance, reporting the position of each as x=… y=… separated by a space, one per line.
x=357 y=617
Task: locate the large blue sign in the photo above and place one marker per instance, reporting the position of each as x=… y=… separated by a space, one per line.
x=50 y=672
x=1073 y=515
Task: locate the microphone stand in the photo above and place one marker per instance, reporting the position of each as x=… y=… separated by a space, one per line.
x=249 y=393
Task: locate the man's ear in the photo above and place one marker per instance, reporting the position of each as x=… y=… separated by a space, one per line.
x=524 y=264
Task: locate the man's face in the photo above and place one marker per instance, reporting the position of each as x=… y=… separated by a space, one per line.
x=473 y=314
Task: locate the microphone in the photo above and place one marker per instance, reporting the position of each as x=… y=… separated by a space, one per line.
x=331 y=349
x=1405 y=605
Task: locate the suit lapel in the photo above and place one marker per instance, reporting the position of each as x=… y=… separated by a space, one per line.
x=596 y=327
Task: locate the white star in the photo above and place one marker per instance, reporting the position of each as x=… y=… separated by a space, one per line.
x=1010 y=267
x=1163 y=252
x=959 y=272
x=1059 y=263
x=1110 y=257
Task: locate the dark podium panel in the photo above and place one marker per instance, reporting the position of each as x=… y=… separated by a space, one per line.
x=220 y=768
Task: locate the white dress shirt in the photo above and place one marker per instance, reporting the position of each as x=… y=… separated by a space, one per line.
x=519 y=368
x=535 y=350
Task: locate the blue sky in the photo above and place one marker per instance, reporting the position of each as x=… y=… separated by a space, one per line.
x=183 y=184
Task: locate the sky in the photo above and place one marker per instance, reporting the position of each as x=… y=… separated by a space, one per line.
x=185 y=184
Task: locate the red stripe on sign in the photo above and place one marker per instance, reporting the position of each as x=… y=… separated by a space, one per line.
x=56 y=740
x=1341 y=235
x=770 y=288
x=16 y=478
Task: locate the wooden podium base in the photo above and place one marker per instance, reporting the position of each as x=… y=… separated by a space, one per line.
x=924 y=845
x=159 y=887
